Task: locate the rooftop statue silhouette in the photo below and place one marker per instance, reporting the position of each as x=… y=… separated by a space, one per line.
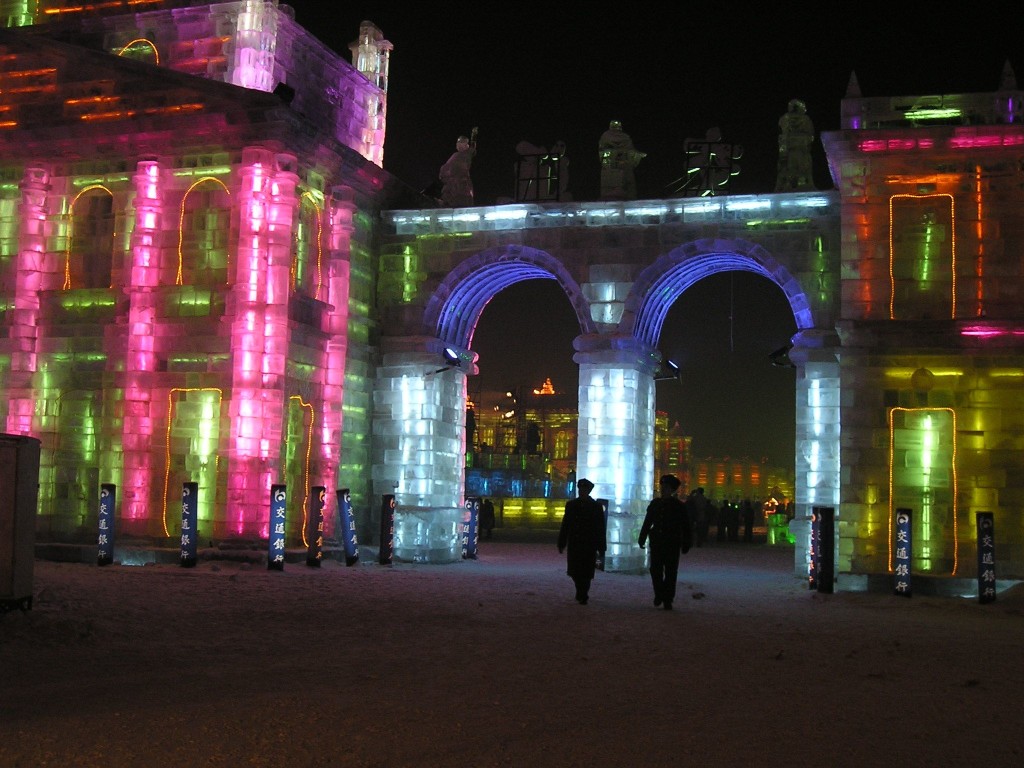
x=796 y=134
x=618 y=158
x=456 y=182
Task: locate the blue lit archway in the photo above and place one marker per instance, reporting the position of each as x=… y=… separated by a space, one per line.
x=659 y=285
x=455 y=307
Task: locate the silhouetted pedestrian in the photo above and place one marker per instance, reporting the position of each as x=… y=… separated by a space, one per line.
x=582 y=534
x=486 y=519
x=748 y=520
x=697 y=505
x=667 y=524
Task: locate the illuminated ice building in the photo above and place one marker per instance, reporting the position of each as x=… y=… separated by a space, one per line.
x=207 y=276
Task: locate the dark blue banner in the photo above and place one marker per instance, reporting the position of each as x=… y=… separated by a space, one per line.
x=105 y=540
x=825 y=547
x=470 y=536
x=387 y=530
x=902 y=552
x=599 y=560
x=347 y=521
x=986 y=558
x=276 y=536
x=189 y=523
x=814 y=564
x=315 y=534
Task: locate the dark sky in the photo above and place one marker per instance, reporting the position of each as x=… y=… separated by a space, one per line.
x=562 y=71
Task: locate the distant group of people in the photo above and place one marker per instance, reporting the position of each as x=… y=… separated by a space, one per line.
x=726 y=516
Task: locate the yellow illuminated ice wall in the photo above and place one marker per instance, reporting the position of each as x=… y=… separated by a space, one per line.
x=931 y=360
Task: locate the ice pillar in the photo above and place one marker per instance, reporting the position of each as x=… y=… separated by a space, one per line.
x=36 y=271
x=615 y=447
x=817 y=435
x=419 y=444
x=259 y=337
x=147 y=260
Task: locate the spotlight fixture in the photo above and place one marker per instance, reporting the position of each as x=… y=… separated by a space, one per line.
x=669 y=371
x=451 y=360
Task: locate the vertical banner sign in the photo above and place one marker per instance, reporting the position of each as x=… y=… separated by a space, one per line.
x=470 y=534
x=348 y=527
x=604 y=534
x=315 y=536
x=986 y=558
x=275 y=541
x=904 y=544
x=814 y=564
x=105 y=540
x=189 y=523
x=826 y=549
x=387 y=529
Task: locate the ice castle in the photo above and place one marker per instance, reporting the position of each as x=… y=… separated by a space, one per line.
x=207 y=276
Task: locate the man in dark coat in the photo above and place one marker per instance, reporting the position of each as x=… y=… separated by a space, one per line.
x=582 y=533
x=667 y=524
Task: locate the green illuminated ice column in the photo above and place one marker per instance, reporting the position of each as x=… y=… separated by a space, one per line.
x=419 y=443
x=615 y=448
x=817 y=464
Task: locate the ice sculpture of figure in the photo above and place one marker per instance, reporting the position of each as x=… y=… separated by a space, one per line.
x=796 y=134
x=618 y=159
x=456 y=183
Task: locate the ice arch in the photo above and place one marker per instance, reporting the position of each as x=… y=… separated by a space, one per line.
x=454 y=309
x=658 y=286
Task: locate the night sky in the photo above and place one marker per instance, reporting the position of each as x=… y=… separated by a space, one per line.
x=548 y=72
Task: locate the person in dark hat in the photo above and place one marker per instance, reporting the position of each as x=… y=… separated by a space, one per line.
x=667 y=524
x=582 y=533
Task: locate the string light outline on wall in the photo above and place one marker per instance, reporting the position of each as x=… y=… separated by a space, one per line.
x=167 y=440
x=309 y=448
x=952 y=245
x=152 y=46
x=71 y=224
x=956 y=537
x=181 y=219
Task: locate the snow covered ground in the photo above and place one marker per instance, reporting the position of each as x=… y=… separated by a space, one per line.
x=490 y=662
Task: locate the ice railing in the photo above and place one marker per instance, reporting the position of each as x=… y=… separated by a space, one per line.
x=780 y=208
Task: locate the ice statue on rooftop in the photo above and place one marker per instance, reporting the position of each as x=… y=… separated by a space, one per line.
x=456 y=183
x=796 y=134
x=618 y=159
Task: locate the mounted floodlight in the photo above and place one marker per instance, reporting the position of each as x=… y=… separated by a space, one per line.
x=669 y=371
x=451 y=360
x=451 y=357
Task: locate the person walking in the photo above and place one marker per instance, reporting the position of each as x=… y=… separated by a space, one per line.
x=667 y=524
x=487 y=519
x=582 y=536
x=698 y=506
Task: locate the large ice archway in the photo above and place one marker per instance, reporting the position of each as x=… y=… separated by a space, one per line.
x=454 y=309
x=659 y=285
